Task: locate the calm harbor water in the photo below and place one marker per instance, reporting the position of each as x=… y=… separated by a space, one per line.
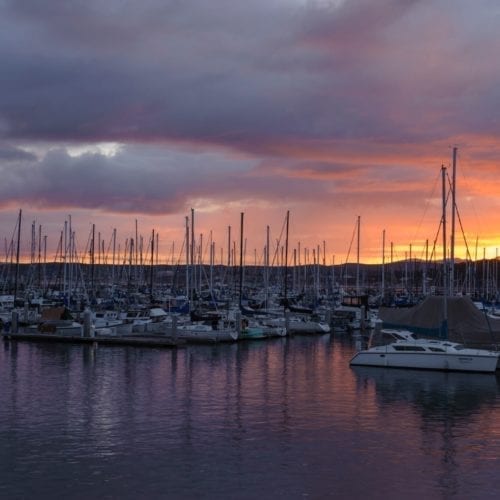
x=283 y=418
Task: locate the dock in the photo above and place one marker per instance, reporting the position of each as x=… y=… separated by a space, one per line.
x=136 y=341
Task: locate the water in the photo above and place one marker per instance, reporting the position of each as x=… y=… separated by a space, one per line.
x=284 y=418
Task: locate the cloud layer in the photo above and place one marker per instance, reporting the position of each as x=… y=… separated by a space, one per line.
x=279 y=103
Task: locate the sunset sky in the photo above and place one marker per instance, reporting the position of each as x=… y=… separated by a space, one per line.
x=117 y=111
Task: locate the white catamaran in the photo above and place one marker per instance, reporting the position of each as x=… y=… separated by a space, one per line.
x=407 y=351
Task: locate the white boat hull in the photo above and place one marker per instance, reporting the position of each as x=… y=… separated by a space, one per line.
x=204 y=333
x=465 y=362
x=299 y=327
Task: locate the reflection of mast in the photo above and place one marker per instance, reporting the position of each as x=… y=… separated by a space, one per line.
x=449 y=450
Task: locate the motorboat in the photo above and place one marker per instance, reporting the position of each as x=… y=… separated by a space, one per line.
x=58 y=327
x=107 y=322
x=253 y=329
x=408 y=351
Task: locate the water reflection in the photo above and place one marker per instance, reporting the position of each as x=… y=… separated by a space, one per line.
x=436 y=395
x=281 y=418
x=458 y=417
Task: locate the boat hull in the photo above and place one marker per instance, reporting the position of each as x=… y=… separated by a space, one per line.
x=428 y=361
x=199 y=334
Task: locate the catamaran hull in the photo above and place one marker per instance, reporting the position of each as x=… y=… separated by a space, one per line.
x=428 y=361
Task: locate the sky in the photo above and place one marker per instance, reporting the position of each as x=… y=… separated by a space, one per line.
x=129 y=114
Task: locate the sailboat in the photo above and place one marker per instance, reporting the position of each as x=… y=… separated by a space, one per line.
x=408 y=351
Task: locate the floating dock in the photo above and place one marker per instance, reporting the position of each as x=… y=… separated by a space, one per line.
x=137 y=341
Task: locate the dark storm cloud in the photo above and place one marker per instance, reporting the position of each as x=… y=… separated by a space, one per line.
x=155 y=70
x=245 y=74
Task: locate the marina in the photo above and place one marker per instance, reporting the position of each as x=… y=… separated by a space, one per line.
x=250 y=250
x=281 y=379
x=145 y=303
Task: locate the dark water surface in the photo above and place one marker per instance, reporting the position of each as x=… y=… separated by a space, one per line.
x=284 y=418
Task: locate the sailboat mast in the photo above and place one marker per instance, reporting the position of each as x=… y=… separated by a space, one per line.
x=136 y=250
x=241 y=259
x=445 y=267
x=212 y=250
x=18 y=249
x=357 y=255
x=70 y=260
x=92 y=250
x=286 y=257
x=65 y=261
x=39 y=256
x=152 y=264
x=114 y=251
x=424 y=271
x=266 y=272
x=228 y=246
x=187 y=259
x=192 y=275
x=452 y=236
x=383 y=264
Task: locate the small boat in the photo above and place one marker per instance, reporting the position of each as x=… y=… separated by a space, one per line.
x=205 y=333
x=252 y=333
x=408 y=351
x=107 y=323
x=57 y=327
x=56 y=321
x=299 y=324
x=305 y=325
x=255 y=329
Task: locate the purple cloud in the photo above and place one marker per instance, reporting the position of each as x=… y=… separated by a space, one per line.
x=245 y=75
